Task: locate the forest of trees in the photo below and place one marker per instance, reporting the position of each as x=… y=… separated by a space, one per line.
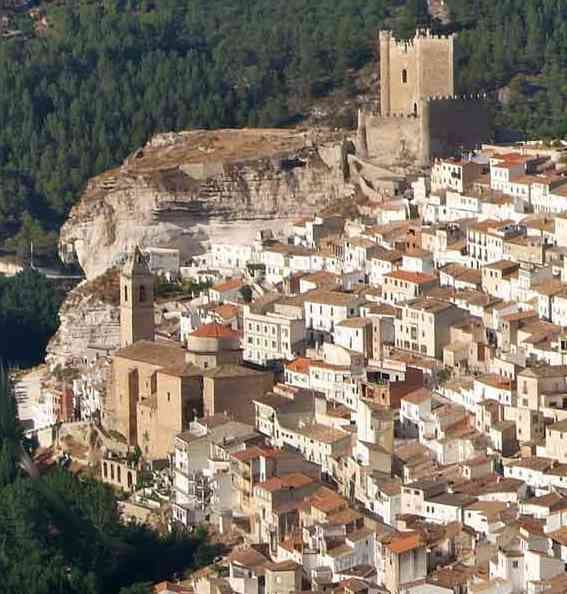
x=28 y=317
x=521 y=44
x=110 y=73
x=62 y=535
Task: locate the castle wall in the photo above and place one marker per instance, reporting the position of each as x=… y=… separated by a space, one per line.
x=455 y=123
x=389 y=138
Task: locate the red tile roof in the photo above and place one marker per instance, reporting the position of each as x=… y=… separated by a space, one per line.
x=405 y=542
x=294 y=480
x=419 y=278
x=300 y=365
x=227 y=311
x=229 y=285
x=214 y=330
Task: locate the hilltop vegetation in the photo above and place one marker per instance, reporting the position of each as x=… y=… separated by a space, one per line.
x=520 y=43
x=28 y=317
x=110 y=73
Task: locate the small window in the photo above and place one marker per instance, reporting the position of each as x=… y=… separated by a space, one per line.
x=142 y=294
x=404 y=76
x=125 y=293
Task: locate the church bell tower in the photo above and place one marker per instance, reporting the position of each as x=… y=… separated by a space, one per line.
x=136 y=300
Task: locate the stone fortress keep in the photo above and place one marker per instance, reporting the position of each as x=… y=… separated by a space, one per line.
x=419 y=114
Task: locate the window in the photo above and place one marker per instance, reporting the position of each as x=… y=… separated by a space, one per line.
x=404 y=76
x=125 y=293
x=142 y=294
x=515 y=564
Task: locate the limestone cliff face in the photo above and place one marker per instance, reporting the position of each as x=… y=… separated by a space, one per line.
x=187 y=189
x=89 y=316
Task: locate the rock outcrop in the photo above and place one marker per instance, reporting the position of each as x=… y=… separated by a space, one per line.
x=89 y=317
x=186 y=189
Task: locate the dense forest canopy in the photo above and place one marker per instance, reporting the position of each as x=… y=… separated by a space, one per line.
x=28 y=317
x=110 y=73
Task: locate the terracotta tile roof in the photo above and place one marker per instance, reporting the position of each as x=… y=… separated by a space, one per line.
x=215 y=330
x=359 y=534
x=343 y=517
x=248 y=558
x=249 y=454
x=227 y=311
x=326 y=297
x=326 y=500
x=403 y=543
x=229 y=285
x=182 y=370
x=322 y=277
x=154 y=353
x=294 y=480
x=355 y=323
x=287 y=565
x=553 y=501
x=300 y=365
x=322 y=433
x=418 y=278
x=418 y=396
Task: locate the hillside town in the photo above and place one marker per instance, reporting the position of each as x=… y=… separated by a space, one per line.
x=368 y=403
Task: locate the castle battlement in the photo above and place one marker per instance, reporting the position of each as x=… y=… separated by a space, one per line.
x=421 y=34
x=457 y=98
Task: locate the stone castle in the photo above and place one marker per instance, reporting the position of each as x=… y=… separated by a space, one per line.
x=419 y=112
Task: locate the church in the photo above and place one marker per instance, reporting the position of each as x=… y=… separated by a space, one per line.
x=157 y=388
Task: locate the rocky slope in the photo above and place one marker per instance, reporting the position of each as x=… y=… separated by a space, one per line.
x=187 y=189
x=89 y=316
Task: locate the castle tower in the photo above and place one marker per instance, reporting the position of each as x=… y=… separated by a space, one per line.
x=385 y=40
x=413 y=70
x=136 y=300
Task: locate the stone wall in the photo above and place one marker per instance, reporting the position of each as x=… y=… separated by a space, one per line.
x=455 y=122
x=445 y=126
x=391 y=139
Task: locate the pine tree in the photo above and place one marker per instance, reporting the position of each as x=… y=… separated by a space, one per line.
x=11 y=434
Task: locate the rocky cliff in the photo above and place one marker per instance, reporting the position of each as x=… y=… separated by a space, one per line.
x=187 y=189
x=89 y=317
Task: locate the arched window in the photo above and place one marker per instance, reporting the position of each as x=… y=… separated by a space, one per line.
x=142 y=294
x=125 y=293
x=404 y=76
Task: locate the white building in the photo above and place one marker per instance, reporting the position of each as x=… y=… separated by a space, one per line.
x=272 y=337
x=325 y=309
